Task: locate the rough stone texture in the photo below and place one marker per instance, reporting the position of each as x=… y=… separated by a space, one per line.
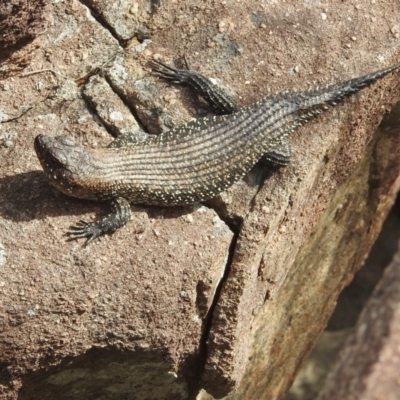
x=157 y=108
x=20 y=22
x=369 y=363
x=125 y=18
x=60 y=300
x=352 y=300
x=287 y=327
x=112 y=313
x=309 y=381
x=148 y=298
x=109 y=106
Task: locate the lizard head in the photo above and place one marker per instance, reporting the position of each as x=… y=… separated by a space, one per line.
x=63 y=163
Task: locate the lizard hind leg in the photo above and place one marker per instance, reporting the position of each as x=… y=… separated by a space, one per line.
x=219 y=99
x=279 y=154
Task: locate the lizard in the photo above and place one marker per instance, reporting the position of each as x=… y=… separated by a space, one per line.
x=189 y=163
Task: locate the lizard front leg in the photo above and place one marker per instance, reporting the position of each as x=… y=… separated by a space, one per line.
x=119 y=216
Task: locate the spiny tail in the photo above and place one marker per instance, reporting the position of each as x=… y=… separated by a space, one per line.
x=315 y=101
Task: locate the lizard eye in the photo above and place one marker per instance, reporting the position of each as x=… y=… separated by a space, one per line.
x=52 y=160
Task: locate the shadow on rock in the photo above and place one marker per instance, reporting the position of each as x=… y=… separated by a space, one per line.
x=27 y=196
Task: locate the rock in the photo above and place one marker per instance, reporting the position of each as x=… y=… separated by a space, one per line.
x=175 y=304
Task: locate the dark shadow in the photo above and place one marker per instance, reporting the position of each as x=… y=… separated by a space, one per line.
x=354 y=297
x=106 y=374
x=254 y=178
x=22 y=196
x=158 y=212
x=28 y=196
x=6 y=382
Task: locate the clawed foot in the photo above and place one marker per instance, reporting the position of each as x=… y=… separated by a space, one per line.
x=120 y=215
x=171 y=73
x=83 y=229
x=217 y=97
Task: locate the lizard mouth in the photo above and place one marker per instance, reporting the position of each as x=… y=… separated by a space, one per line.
x=64 y=165
x=41 y=146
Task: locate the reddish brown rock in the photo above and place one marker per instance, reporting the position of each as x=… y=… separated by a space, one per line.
x=142 y=312
x=21 y=22
x=369 y=363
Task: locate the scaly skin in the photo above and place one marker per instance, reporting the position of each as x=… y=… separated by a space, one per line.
x=192 y=162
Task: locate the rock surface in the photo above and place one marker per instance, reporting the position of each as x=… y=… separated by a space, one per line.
x=175 y=303
x=368 y=364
